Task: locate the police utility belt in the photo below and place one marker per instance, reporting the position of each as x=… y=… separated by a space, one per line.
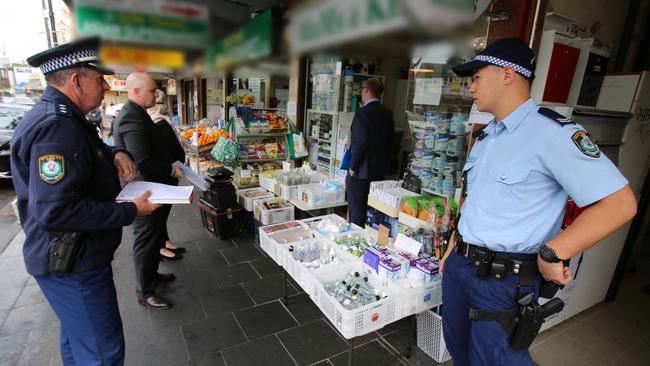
x=522 y=323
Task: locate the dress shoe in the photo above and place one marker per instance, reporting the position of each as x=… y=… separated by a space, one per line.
x=174 y=258
x=155 y=302
x=177 y=250
x=166 y=277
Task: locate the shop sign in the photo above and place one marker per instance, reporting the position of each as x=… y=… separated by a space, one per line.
x=154 y=22
x=171 y=86
x=117 y=84
x=337 y=21
x=121 y=55
x=253 y=41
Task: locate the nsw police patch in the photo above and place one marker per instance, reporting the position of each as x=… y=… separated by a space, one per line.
x=51 y=168
x=585 y=144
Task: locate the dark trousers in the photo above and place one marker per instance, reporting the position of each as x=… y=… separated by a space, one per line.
x=357 y=190
x=478 y=342
x=86 y=305
x=149 y=237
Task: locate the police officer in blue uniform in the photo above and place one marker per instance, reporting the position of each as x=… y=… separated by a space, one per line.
x=522 y=169
x=66 y=181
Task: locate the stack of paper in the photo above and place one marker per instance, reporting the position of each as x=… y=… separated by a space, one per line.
x=160 y=193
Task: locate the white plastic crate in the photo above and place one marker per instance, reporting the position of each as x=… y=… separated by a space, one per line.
x=332 y=234
x=430 y=337
x=303 y=275
x=421 y=297
x=273 y=216
x=291 y=192
x=364 y=319
x=267 y=182
x=247 y=197
x=273 y=236
x=314 y=196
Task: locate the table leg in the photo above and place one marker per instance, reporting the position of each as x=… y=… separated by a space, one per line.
x=350 y=351
x=284 y=276
x=411 y=336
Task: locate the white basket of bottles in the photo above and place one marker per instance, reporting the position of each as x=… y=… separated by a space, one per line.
x=272 y=237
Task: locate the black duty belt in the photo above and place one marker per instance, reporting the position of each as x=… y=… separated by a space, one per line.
x=499 y=264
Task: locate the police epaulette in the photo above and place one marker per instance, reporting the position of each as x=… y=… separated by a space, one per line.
x=58 y=109
x=562 y=120
x=480 y=134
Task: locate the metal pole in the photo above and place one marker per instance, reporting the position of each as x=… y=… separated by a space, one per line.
x=350 y=351
x=47 y=28
x=52 y=24
x=284 y=276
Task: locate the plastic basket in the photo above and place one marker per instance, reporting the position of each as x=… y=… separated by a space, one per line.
x=314 y=196
x=267 y=182
x=364 y=319
x=247 y=201
x=291 y=192
x=303 y=275
x=430 y=337
x=422 y=297
x=271 y=237
x=273 y=216
x=341 y=222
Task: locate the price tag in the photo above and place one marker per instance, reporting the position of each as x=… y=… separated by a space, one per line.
x=382 y=238
x=407 y=244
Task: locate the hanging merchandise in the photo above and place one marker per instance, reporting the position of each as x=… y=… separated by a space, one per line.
x=296 y=142
x=226 y=150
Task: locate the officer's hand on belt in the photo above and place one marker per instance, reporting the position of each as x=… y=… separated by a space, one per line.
x=125 y=167
x=143 y=205
x=554 y=272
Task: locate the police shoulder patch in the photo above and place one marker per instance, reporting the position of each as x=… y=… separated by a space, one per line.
x=51 y=168
x=549 y=113
x=585 y=144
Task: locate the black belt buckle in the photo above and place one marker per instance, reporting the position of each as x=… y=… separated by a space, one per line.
x=499 y=266
x=482 y=260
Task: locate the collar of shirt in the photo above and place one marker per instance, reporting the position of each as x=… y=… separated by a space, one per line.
x=57 y=97
x=514 y=119
x=370 y=101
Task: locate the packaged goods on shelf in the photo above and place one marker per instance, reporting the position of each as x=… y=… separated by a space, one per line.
x=391 y=196
x=273 y=211
x=331 y=226
x=356 y=242
x=271 y=237
x=327 y=193
x=376 y=218
x=290 y=181
x=384 y=184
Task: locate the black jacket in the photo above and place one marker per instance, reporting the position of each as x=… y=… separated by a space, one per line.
x=66 y=181
x=136 y=132
x=372 y=131
x=171 y=140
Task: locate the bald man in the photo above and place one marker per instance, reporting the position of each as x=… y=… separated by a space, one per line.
x=138 y=134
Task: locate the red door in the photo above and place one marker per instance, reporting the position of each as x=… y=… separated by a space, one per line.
x=560 y=73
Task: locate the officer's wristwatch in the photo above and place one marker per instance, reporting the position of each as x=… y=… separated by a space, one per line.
x=548 y=255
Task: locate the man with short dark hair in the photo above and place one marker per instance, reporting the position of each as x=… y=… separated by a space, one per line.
x=370 y=140
x=66 y=182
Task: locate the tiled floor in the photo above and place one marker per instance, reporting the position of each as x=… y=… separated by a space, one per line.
x=227 y=311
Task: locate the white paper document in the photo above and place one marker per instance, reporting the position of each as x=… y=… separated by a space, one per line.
x=407 y=244
x=160 y=193
x=192 y=177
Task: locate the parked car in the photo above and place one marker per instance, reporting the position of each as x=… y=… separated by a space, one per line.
x=10 y=116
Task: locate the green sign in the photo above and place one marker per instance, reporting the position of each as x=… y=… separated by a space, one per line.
x=168 y=24
x=253 y=41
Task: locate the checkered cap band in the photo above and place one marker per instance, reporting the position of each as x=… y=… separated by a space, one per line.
x=503 y=63
x=64 y=62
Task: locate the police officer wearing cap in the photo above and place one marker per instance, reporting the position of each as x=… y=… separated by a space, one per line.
x=522 y=169
x=66 y=181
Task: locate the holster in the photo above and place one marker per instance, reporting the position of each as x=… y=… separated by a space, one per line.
x=63 y=252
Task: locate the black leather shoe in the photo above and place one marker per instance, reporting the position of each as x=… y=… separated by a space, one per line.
x=155 y=302
x=177 y=250
x=174 y=258
x=166 y=277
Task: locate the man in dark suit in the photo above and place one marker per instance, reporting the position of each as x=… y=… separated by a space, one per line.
x=138 y=134
x=372 y=130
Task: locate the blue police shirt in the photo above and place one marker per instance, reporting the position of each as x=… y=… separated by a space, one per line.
x=66 y=181
x=520 y=175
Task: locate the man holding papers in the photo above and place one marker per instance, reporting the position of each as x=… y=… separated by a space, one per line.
x=137 y=133
x=66 y=181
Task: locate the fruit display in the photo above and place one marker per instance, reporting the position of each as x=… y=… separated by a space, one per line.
x=205 y=135
x=236 y=99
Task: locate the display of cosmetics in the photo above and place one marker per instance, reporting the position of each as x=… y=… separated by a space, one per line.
x=355 y=244
x=348 y=82
x=434 y=243
x=354 y=291
x=313 y=255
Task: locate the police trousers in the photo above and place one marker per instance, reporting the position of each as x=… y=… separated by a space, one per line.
x=478 y=342
x=149 y=236
x=86 y=305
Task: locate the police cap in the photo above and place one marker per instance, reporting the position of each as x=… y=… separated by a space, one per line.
x=504 y=52
x=83 y=52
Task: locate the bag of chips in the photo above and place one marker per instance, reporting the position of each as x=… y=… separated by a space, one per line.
x=410 y=205
x=424 y=212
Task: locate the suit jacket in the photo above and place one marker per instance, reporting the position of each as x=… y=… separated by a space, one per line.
x=372 y=130
x=171 y=140
x=137 y=133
